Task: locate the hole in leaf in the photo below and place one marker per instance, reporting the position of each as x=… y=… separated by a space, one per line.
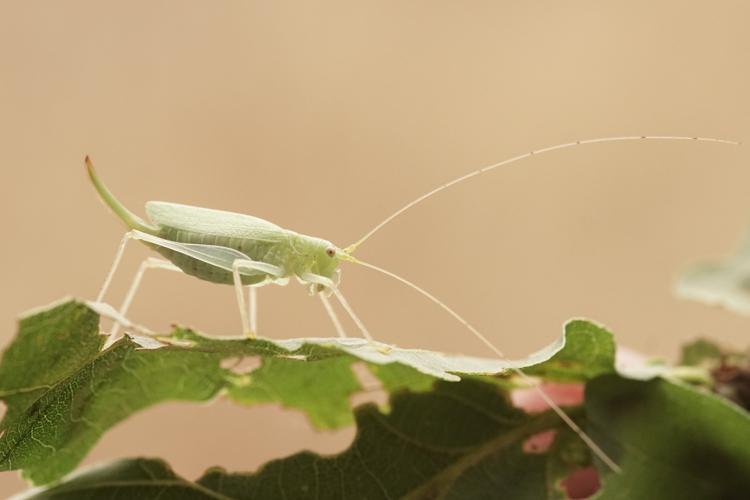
x=539 y=443
x=145 y=342
x=298 y=357
x=241 y=365
x=530 y=400
x=372 y=390
x=581 y=483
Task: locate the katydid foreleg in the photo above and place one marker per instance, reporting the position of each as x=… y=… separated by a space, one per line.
x=328 y=284
x=332 y=315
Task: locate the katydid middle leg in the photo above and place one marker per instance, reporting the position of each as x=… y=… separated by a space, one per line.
x=252 y=307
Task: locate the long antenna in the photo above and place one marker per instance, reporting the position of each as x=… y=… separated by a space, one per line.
x=547 y=399
x=351 y=248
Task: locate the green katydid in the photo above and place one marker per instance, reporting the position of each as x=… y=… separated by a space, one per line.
x=245 y=251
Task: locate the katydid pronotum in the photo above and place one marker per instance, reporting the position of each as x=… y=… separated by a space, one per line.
x=248 y=252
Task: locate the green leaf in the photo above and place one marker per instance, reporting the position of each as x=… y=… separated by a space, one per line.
x=321 y=389
x=589 y=351
x=63 y=393
x=672 y=441
x=700 y=351
x=51 y=430
x=395 y=376
x=415 y=450
x=461 y=440
x=51 y=345
x=59 y=428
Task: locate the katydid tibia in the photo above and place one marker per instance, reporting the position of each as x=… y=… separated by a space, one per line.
x=245 y=251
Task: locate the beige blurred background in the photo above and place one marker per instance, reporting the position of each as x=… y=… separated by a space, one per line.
x=324 y=117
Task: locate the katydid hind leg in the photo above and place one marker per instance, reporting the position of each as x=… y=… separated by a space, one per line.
x=115 y=264
x=252 y=306
x=148 y=263
x=221 y=257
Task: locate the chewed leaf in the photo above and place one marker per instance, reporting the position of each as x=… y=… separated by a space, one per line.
x=463 y=441
x=319 y=388
x=454 y=442
x=63 y=393
x=447 y=439
x=437 y=364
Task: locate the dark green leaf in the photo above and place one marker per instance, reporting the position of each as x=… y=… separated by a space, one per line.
x=137 y=478
x=672 y=441
x=461 y=440
x=700 y=351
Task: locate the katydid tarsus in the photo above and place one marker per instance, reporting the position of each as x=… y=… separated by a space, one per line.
x=248 y=252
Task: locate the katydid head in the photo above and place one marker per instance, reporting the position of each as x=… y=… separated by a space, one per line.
x=326 y=260
x=318 y=257
x=321 y=258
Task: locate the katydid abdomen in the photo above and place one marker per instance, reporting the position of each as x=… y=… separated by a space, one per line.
x=271 y=253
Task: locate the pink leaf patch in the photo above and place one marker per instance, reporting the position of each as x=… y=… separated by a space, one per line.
x=539 y=443
x=529 y=399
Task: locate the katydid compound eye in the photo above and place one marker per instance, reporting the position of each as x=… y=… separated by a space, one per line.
x=330 y=252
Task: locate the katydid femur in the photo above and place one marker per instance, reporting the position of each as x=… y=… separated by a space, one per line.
x=245 y=251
